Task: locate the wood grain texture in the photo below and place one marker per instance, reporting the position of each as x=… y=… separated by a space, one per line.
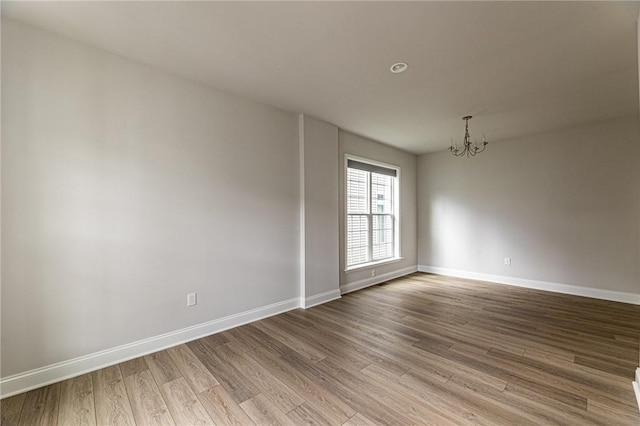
x=263 y=412
x=77 y=402
x=194 y=372
x=358 y=420
x=239 y=386
x=10 y=409
x=162 y=367
x=306 y=414
x=183 y=404
x=309 y=387
x=298 y=345
x=146 y=401
x=133 y=366
x=273 y=389
x=222 y=408
x=111 y=400
x=41 y=406
x=422 y=349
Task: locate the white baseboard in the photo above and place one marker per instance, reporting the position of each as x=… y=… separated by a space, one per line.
x=636 y=386
x=596 y=293
x=318 y=299
x=357 y=285
x=43 y=376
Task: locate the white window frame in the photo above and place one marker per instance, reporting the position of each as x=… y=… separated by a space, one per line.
x=396 y=216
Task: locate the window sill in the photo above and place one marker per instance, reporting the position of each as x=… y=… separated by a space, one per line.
x=371 y=264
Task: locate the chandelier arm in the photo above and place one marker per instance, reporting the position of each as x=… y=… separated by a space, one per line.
x=468 y=149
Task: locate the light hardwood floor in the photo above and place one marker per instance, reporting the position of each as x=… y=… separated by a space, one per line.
x=422 y=349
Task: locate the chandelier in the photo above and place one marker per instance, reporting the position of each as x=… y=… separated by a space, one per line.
x=468 y=149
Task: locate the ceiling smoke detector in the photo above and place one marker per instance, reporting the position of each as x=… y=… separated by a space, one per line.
x=399 y=67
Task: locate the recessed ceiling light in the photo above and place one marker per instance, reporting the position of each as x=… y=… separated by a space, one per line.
x=399 y=67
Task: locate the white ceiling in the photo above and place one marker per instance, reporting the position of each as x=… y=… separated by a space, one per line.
x=519 y=67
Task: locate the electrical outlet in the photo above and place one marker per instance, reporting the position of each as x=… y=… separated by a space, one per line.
x=507 y=261
x=192 y=299
x=373 y=273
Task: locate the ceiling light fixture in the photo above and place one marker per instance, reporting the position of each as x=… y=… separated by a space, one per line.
x=399 y=67
x=468 y=149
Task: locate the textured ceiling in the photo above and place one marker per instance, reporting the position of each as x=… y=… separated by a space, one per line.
x=519 y=67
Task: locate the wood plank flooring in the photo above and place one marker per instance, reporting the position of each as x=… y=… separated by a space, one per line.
x=422 y=349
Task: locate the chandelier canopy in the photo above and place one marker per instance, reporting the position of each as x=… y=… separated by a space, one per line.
x=468 y=149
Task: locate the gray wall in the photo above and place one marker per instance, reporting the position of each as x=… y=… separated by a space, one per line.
x=123 y=189
x=563 y=205
x=366 y=148
x=319 y=198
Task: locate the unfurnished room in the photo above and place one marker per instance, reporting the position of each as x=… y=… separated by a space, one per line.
x=320 y=213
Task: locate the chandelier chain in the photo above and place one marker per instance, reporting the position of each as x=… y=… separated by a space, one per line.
x=468 y=149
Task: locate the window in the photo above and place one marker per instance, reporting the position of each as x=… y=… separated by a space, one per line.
x=372 y=203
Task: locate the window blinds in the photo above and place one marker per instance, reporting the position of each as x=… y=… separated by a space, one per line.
x=353 y=164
